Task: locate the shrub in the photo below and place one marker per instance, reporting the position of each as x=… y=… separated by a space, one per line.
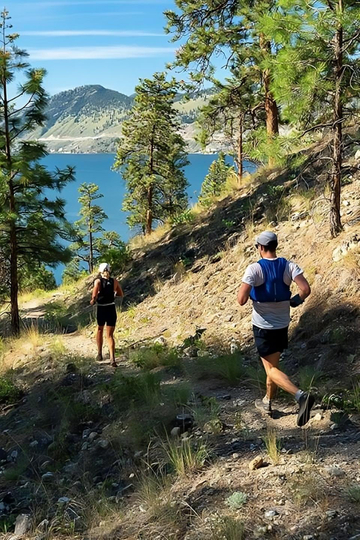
x=228 y=367
x=185 y=457
x=236 y=500
x=9 y=393
x=155 y=356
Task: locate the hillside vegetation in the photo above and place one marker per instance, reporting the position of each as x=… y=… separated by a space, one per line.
x=89 y=453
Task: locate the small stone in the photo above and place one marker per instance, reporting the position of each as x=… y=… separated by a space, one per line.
x=308 y=537
x=63 y=500
x=93 y=435
x=175 y=432
x=235 y=455
x=335 y=471
x=317 y=418
x=14 y=455
x=331 y=514
x=131 y=475
x=270 y=514
x=85 y=446
x=22 y=524
x=47 y=476
x=33 y=444
x=256 y=463
x=103 y=443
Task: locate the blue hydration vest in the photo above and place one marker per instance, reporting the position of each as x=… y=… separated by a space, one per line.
x=273 y=289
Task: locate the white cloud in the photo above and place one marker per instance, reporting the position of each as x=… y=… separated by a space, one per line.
x=98 y=53
x=68 y=33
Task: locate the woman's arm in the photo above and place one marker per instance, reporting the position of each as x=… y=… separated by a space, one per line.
x=95 y=292
x=118 y=289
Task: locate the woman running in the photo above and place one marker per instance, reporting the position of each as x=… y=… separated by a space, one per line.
x=104 y=292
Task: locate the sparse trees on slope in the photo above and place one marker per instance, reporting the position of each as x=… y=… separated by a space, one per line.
x=152 y=154
x=215 y=180
x=232 y=110
x=31 y=224
x=317 y=73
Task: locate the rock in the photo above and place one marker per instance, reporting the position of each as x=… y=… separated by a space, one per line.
x=92 y=436
x=70 y=468
x=191 y=351
x=317 y=418
x=85 y=446
x=256 y=463
x=103 y=443
x=47 y=477
x=335 y=471
x=33 y=444
x=270 y=514
x=331 y=514
x=160 y=340
x=22 y=524
x=13 y=456
x=86 y=433
x=63 y=500
x=308 y=537
x=175 y=432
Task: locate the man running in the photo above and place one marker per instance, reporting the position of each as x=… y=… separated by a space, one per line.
x=267 y=282
x=104 y=292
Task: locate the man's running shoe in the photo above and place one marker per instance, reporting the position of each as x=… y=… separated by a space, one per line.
x=264 y=406
x=306 y=401
x=99 y=358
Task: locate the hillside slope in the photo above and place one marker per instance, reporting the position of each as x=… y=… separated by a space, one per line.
x=89 y=453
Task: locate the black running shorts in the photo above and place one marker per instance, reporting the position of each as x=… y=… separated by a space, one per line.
x=270 y=341
x=106 y=314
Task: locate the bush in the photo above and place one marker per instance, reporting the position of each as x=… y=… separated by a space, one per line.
x=155 y=356
x=9 y=393
x=227 y=367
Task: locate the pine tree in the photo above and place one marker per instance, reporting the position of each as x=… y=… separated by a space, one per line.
x=89 y=225
x=31 y=224
x=152 y=154
x=317 y=73
x=231 y=110
x=231 y=29
x=215 y=180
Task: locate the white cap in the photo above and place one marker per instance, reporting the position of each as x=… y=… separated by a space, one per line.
x=104 y=267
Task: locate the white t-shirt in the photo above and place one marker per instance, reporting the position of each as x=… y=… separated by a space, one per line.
x=270 y=315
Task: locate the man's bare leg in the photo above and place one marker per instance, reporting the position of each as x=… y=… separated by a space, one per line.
x=111 y=344
x=276 y=377
x=99 y=341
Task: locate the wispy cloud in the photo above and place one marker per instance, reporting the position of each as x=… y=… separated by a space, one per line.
x=99 y=53
x=60 y=3
x=70 y=33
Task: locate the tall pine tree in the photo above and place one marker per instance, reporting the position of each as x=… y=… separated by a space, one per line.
x=152 y=154
x=228 y=29
x=31 y=224
x=317 y=73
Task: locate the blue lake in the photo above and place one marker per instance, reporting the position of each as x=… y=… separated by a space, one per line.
x=96 y=168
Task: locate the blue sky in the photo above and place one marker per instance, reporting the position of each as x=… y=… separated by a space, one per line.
x=107 y=42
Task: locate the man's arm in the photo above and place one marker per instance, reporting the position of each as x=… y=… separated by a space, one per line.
x=95 y=292
x=304 y=291
x=118 y=289
x=303 y=286
x=243 y=294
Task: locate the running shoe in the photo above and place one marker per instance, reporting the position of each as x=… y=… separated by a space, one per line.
x=264 y=407
x=306 y=402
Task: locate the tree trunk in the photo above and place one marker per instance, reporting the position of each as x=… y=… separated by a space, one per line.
x=335 y=218
x=240 y=149
x=150 y=192
x=91 y=257
x=14 y=285
x=149 y=215
x=271 y=108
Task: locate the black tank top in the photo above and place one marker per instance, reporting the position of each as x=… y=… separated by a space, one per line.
x=106 y=294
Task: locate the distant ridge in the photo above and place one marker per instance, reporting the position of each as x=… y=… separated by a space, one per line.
x=88 y=119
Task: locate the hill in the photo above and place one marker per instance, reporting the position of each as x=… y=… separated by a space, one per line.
x=170 y=445
x=88 y=119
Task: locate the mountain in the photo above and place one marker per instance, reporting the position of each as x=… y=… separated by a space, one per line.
x=88 y=119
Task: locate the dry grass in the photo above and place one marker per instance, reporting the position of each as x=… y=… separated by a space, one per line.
x=273 y=446
x=141 y=241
